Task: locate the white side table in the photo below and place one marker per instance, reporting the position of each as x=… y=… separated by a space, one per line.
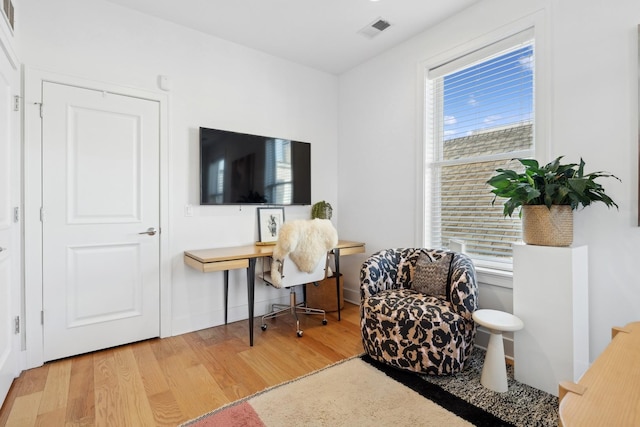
x=494 y=371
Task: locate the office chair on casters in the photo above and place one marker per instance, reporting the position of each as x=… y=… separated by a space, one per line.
x=292 y=277
x=299 y=257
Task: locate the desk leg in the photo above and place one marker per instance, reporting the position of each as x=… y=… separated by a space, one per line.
x=226 y=294
x=336 y=253
x=251 y=288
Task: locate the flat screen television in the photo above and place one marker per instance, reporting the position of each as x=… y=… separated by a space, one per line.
x=239 y=168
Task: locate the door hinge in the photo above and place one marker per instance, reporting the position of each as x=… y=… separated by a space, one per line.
x=16 y=214
x=42 y=317
x=41 y=214
x=16 y=328
x=16 y=103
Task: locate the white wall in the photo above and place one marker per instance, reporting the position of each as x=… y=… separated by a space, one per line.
x=214 y=84
x=590 y=62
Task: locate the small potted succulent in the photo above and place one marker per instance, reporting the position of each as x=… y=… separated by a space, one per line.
x=547 y=196
x=322 y=210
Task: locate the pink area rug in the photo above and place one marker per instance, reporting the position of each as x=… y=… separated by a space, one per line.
x=240 y=415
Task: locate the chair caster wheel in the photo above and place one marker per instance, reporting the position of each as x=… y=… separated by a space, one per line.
x=263 y=327
x=324 y=322
x=299 y=333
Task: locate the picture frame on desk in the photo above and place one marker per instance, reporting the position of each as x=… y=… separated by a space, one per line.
x=269 y=222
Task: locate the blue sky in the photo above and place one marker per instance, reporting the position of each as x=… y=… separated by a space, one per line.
x=494 y=93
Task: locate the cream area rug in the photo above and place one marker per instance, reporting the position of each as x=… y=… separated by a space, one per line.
x=362 y=392
x=349 y=393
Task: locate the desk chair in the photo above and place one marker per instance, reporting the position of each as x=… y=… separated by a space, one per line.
x=299 y=257
x=292 y=277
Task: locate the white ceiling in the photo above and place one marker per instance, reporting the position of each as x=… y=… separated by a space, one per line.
x=322 y=34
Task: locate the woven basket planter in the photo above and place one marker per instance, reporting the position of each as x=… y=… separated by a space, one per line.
x=547 y=227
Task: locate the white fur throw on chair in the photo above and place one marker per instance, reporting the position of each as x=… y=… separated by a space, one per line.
x=305 y=240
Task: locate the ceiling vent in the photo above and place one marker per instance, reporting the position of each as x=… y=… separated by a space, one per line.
x=374 y=28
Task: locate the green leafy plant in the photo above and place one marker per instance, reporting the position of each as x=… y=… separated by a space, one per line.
x=551 y=184
x=322 y=210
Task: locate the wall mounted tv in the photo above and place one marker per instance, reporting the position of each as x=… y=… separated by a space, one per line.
x=238 y=168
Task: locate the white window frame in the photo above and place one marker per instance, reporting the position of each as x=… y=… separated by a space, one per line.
x=534 y=23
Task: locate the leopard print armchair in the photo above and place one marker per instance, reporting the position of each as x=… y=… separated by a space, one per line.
x=411 y=330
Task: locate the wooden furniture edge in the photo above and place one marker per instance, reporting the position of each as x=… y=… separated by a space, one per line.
x=207 y=267
x=350 y=250
x=604 y=373
x=564 y=388
x=224 y=254
x=569 y=387
x=617 y=329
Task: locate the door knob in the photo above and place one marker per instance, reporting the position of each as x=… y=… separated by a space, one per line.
x=151 y=231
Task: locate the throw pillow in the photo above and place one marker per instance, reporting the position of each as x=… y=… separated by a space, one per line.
x=431 y=276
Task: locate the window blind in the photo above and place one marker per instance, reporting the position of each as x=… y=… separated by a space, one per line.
x=482 y=117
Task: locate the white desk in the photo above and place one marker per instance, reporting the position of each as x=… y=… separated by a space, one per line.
x=231 y=258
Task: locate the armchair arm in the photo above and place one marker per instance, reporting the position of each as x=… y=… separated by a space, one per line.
x=463 y=290
x=378 y=272
x=386 y=269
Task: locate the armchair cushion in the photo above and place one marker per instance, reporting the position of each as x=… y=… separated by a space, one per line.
x=414 y=330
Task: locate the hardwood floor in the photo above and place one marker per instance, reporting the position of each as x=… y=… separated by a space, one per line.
x=164 y=382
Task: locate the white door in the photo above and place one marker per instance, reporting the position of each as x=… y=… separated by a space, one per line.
x=9 y=229
x=101 y=195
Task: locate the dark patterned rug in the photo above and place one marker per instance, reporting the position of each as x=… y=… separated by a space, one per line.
x=463 y=394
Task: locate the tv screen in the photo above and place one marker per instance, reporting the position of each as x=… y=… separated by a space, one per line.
x=238 y=168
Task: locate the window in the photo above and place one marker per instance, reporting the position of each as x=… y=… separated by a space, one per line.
x=216 y=181
x=279 y=173
x=480 y=117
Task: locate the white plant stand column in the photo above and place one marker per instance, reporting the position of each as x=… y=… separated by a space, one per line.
x=550 y=295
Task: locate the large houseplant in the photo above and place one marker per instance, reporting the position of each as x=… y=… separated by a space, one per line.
x=547 y=195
